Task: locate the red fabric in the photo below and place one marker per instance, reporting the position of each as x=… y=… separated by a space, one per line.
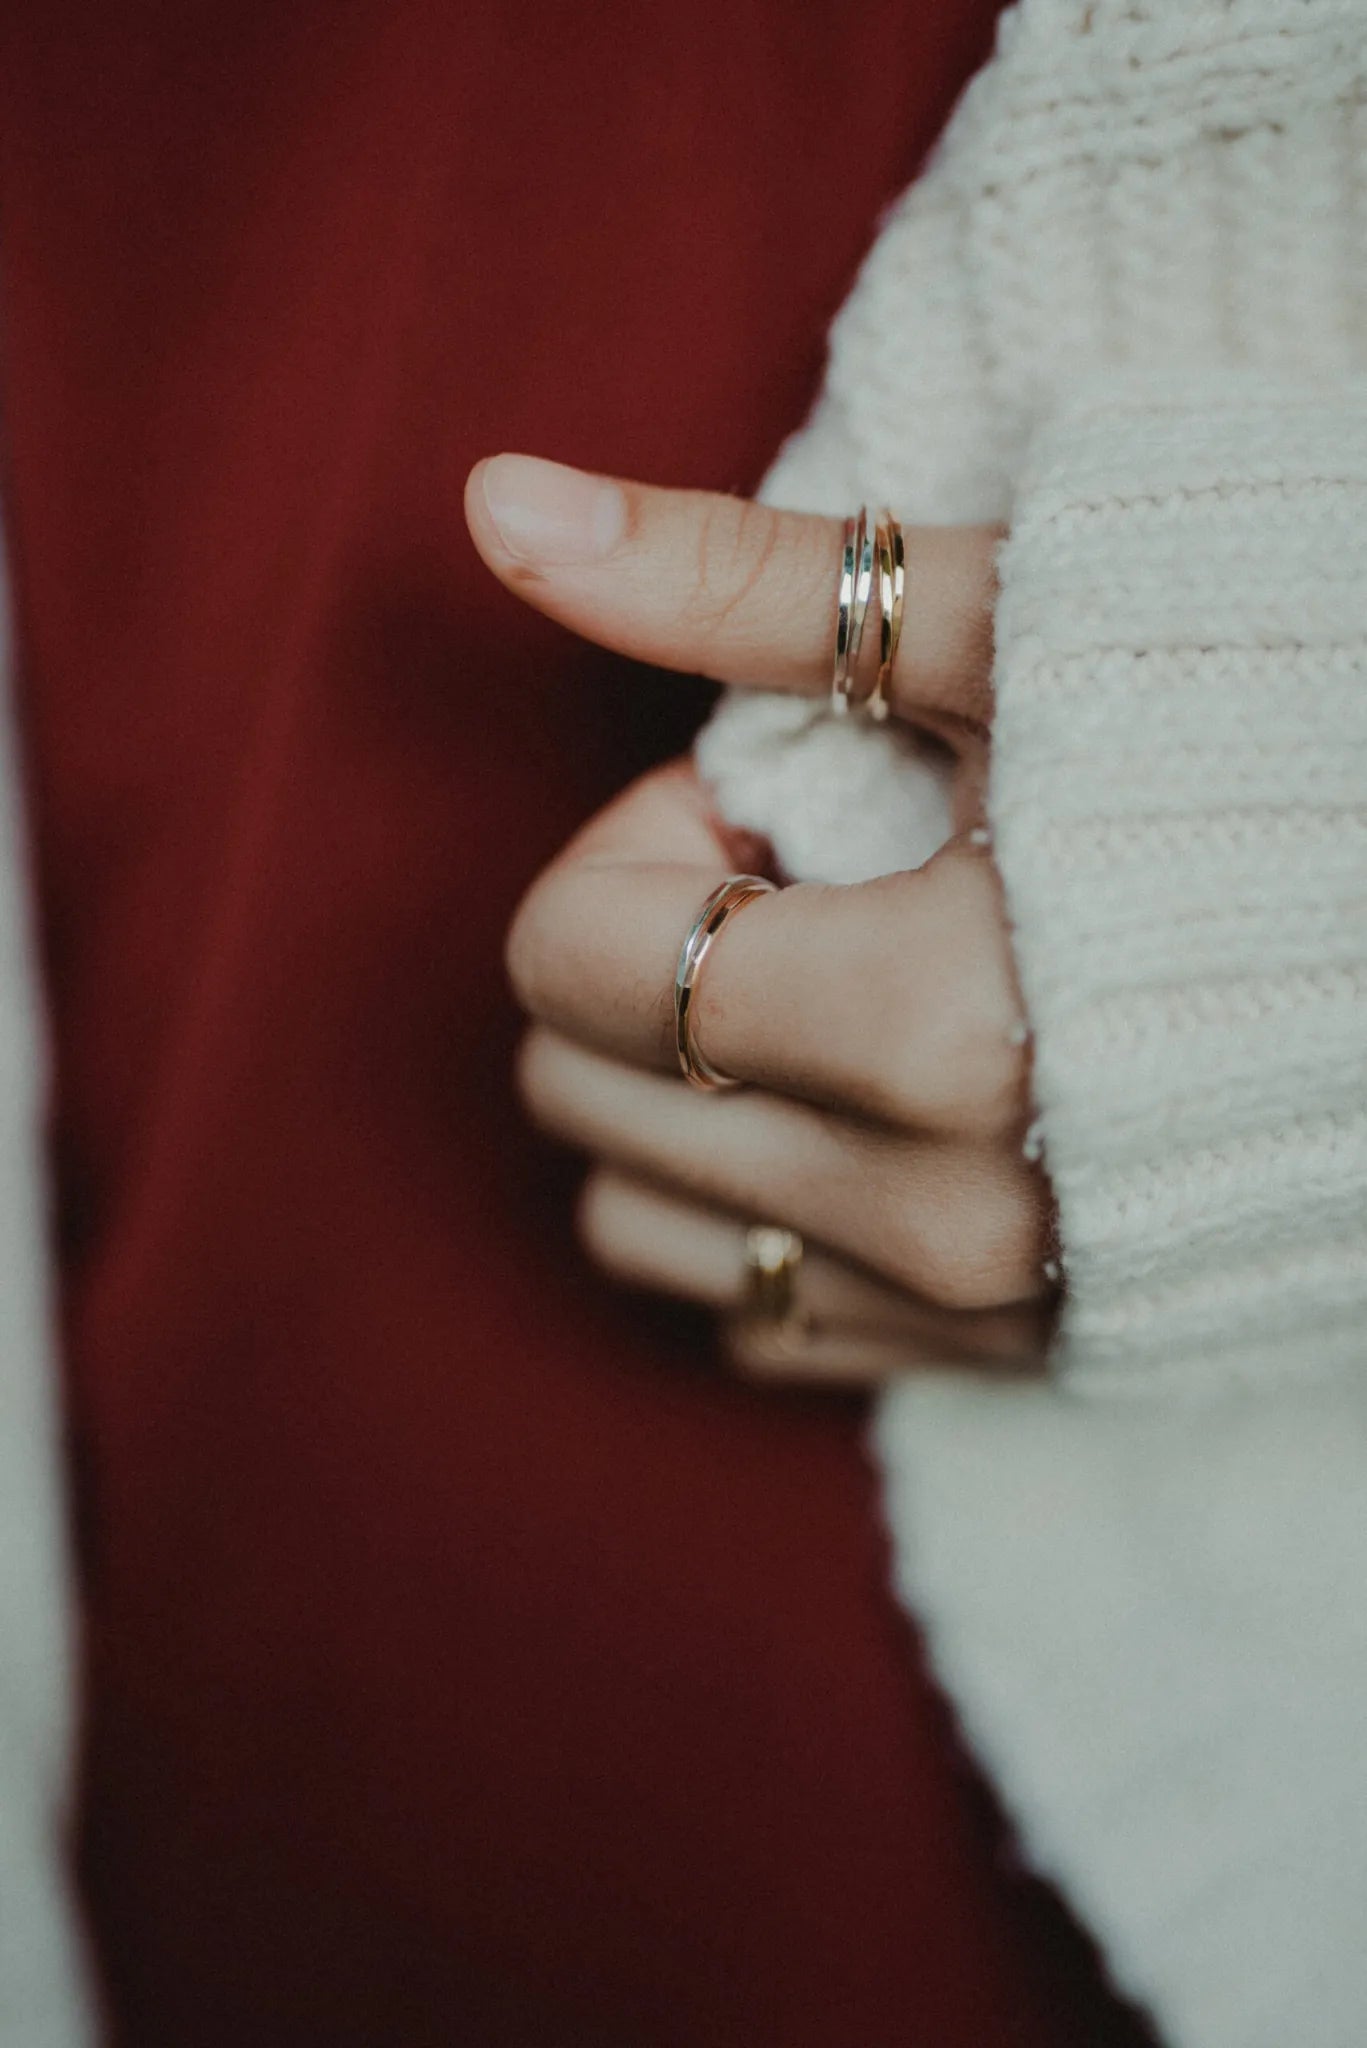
x=469 y=1661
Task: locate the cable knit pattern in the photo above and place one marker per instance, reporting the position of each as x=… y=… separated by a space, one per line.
x=1125 y=310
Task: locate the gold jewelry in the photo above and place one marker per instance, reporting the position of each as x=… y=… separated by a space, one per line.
x=721 y=905
x=891 y=548
x=773 y=1258
x=852 y=604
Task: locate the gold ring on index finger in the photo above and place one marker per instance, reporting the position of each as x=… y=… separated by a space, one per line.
x=720 y=907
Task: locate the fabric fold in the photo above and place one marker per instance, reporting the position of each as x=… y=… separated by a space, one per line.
x=1151 y=1623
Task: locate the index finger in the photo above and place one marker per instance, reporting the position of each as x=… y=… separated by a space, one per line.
x=727 y=587
x=894 y=999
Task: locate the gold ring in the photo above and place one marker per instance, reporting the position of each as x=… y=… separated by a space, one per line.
x=870 y=556
x=851 y=609
x=773 y=1258
x=890 y=545
x=721 y=905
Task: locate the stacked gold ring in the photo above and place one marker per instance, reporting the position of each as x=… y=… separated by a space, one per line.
x=852 y=604
x=892 y=590
x=872 y=560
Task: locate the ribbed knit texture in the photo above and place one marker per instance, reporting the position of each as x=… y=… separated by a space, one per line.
x=1179 y=804
x=1125 y=310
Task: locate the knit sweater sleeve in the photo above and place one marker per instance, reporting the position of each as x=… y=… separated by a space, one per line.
x=1148 y=1612
x=1179 y=810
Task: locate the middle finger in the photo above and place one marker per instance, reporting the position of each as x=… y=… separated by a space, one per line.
x=965 y=1227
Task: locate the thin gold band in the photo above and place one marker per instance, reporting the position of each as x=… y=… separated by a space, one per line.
x=852 y=605
x=720 y=907
x=891 y=545
x=871 y=557
x=773 y=1258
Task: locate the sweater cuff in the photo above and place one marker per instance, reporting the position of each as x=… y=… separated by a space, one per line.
x=1179 y=812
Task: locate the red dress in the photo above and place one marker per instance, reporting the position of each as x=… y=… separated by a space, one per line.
x=468 y=1660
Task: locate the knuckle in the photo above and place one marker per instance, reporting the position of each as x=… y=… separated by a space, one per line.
x=965 y=1251
x=984 y=1080
x=539 y=1080
x=962 y=1278
x=524 y=947
x=953 y=1066
x=540 y=941
x=529 y=1070
x=961 y=1062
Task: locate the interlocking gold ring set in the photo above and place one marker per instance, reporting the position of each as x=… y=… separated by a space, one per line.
x=872 y=566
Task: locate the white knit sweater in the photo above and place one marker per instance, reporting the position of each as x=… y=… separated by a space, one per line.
x=45 y=1997
x=1126 y=310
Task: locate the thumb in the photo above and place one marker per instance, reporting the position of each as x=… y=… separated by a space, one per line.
x=728 y=588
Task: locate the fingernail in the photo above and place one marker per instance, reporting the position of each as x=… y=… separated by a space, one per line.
x=548 y=514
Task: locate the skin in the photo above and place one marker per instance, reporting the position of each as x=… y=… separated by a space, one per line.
x=896 y=1152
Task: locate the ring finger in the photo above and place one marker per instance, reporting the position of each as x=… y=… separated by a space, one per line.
x=964 y=1227
x=649 y=1238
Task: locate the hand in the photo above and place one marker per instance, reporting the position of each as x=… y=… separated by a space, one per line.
x=878 y=1026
